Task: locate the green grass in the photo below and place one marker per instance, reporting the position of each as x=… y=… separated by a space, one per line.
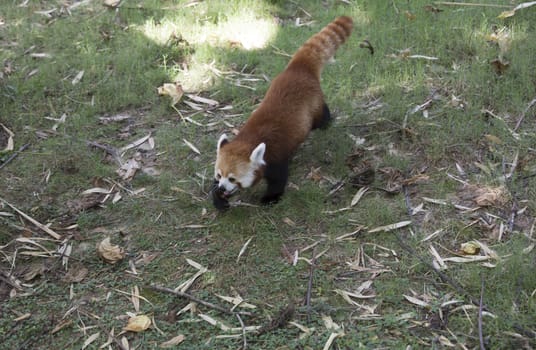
x=214 y=49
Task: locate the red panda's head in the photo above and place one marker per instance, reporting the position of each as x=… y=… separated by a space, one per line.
x=237 y=166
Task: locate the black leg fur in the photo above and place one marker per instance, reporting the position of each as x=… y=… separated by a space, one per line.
x=323 y=122
x=276 y=176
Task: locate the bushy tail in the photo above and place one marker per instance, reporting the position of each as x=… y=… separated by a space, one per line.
x=322 y=46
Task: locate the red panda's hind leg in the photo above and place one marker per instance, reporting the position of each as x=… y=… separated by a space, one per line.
x=322 y=122
x=276 y=176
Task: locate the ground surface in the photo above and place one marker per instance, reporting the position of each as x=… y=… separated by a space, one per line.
x=408 y=223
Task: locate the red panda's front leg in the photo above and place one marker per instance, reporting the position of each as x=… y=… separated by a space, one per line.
x=276 y=176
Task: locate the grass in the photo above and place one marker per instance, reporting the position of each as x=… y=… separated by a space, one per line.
x=467 y=130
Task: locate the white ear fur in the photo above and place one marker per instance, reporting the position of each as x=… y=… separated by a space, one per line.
x=222 y=140
x=257 y=156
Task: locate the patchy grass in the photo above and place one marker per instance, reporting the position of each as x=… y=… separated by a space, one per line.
x=437 y=125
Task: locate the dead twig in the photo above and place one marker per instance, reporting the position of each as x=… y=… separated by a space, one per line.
x=108 y=149
x=8 y=279
x=407 y=200
x=244 y=343
x=14 y=155
x=196 y=300
x=529 y=106
x=103 y=329
x=33 y=221
x=283 y=317
x=310 y=286
x=474 y=4
x=480 y=333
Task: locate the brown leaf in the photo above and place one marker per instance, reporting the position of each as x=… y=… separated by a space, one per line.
x=86 y=202
x=175 y=91
x=128 y=169
x=432 y=9
x=75 y=274
x=173 y=341
x=410 y=16
x=500 y=66
x=33 y=270
x=314 y=175
x=138 y=323
x=485 y=196
x=470 y=248
x=395 y=179
x=490 y=196
x=108 y=252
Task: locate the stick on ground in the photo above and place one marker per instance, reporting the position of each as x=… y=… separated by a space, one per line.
x=245 y=343
x=32 y=220
x=14 y=155
x=196 y=300
x=310 y=286
x=480 y=333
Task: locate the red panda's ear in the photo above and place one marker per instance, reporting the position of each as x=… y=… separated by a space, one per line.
x=257 y=156
x=222 y=141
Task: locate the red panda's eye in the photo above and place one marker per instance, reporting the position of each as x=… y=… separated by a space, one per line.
x=218 y=176
x=232 y=180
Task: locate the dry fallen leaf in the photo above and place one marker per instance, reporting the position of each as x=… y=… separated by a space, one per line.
x=78 y=77
x=10 y=143
x=173 y=341
x=432 y=9
x=510 y=13
x=75 y=274
x=357 y=197
x=500 y=66
x=111 y=3
x=410 y=16
x=391 y=227
x=416 y=301
x=470 y=248
x=128 y=169
x=138 y=323
x=108 y=252
x=489 y=196
x=90 y=340
x=173 y=90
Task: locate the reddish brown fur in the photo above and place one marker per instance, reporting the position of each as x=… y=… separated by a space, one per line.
x=293 y=104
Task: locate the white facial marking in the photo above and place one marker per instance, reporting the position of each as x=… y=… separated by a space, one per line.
x=226 y=183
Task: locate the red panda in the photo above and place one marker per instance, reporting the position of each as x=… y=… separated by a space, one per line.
x=292 y=107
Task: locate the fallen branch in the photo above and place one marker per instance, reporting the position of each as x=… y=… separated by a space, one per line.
x=475 y=4
x=529 y=106
x=196 y=300
x=108 y=149
x=33 y=221
x=244 y=343
x=480 y=333
x=14 y=155
x=310 y=286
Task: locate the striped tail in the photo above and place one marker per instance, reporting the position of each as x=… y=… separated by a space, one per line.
x=322 y=46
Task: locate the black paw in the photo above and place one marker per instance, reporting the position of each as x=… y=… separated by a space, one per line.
x=220 y=201
x=269 y=199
